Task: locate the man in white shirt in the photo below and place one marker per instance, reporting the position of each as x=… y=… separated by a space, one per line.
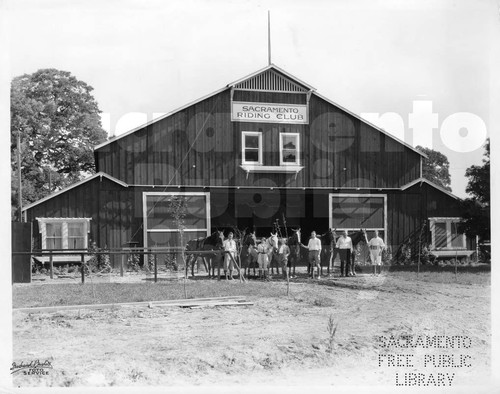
x=376 y=246
x=229 y=246
x=314 y=247
x=344 y=244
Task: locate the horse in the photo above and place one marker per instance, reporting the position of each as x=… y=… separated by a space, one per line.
x=213 y=242
x=295 y=245
x=328 y=249
x=272 y=243
x=248 y=256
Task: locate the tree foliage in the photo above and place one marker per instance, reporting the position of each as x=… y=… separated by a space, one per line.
x=436 y=168
x=58 y=123
x=479 y=179
x=476 y=209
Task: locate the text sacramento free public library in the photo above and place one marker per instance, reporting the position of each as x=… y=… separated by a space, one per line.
x=425 y=341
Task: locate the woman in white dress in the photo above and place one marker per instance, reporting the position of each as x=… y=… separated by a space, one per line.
x=376 y=245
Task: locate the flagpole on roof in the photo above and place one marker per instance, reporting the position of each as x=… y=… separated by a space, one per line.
x=269 y=36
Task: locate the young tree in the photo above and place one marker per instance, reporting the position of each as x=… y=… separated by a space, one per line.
x=57 y=122
x=436 y=168
x=476 y=209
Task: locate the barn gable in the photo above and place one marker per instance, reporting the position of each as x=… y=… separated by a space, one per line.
x=211 y=139
x=272 y=79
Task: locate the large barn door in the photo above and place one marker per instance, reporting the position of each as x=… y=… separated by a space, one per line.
x=352 y=212
x=160 y=224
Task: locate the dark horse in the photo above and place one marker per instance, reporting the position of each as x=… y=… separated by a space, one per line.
x=213 y=242
x=328 y=249
x=248 y=256
x=296 y=249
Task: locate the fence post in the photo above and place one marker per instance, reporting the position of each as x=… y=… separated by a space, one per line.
x=418 y=262
x=51 y=266
x=83 y=267
x=220 y=257
x=477 y=249
x=123 y=256
x=156 y=267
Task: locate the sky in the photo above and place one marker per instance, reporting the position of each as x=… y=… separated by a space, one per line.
x=426 y=65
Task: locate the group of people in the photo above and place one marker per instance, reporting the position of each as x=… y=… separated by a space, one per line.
x=263 y=258
x=345 y=247
x=344 y=244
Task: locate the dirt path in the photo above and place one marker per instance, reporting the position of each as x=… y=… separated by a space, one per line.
x=274 y=342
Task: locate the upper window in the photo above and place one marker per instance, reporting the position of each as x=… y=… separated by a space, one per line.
x=289 y=148
x=64 y=233
x=252 y=147
x=445 y=234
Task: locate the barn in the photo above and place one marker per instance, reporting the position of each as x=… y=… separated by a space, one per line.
x=264 y=148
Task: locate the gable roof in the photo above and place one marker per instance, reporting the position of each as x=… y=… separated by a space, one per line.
x=293 y=83
x=424 y=180
x=99 y=174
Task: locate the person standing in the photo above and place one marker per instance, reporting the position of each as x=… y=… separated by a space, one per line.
x=263 y=258
x=230 y=248
x=344 y=245
x=283 y=253
x=314 y=247
x=376 y=245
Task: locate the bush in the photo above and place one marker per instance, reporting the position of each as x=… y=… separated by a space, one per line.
x=362 y=254
x=406 y=253
x=387 y=256
x=171 y=262
x=99 y=262
x=133 y=262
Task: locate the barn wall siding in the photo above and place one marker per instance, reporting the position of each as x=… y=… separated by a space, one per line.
x=109 y=205
x=200 y=145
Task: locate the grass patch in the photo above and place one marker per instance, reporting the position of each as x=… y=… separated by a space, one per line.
x=310 y=293
x=463 y=278
x=110 y=293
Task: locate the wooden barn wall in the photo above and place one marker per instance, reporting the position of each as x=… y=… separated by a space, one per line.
x=201 y=146
x=409 y=210
x=189 y=147
x=109 y=205
x=347 y=152
x=117 y=212
x=405 y=216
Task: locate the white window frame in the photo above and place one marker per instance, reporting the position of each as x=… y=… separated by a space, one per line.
x=330 y=211
x=243 y=147
x=174 y=230
x=449 y=222
x=297 y=161
x=42 y=224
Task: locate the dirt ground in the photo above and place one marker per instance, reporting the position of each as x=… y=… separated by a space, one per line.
x=276 y=341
